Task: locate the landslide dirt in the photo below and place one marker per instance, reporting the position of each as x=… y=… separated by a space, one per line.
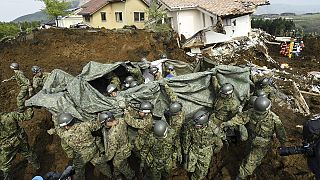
x=70 y=50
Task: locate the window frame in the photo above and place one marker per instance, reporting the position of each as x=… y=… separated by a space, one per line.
x=139 y=16
x=87 y=18
x=105 y=16
x=118 y=20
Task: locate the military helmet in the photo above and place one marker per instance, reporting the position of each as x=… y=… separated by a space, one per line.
x=264 y=81
x=226 y=89
x=134 y=84
x=129 y=79
x=111 y=88
x=170 y=67
x=201 y=117
x=153 y=70
x=261 y=93
x=262 y=104
x=160 y=128
x=175 y=107
x=105 y=116
x=65 y=119
x=251 y=100
x=164 y=56
x=14 y=66
x=35 y=69
x=145 y=107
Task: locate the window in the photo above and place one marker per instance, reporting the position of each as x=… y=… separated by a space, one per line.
x=204 y=19
x=103 y=16
x=87 y=18
x=138 y=16
x=119 y=16
x=227 y=22
x=234 y=23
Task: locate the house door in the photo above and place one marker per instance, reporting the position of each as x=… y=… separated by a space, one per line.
x=186 y=24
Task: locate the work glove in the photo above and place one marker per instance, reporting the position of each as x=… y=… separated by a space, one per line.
x=225 y=124
x=51 y=131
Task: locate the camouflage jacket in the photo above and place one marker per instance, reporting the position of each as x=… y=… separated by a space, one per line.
x=10 y=129
x=21 y=79
x=117 y=140
x=158 y=151
x=261 y=127
x=200 y=138
x=136 y=74
x=78 y=139
x=270 y=91
x=116 y=81
x=38 y=82
x=225 y=108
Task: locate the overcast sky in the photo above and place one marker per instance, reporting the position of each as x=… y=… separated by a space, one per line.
x=12 y=9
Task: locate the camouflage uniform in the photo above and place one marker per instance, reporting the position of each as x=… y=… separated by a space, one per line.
x=200 y=144
x=261 y=129
x=116 y=81
x=82 y=147
x=143 y=125
x=136 y=74
x=119 y=149
x=224 y=109
x=176 y=121
x=38 y=81
x=24 y=85
x=13 y=139
x=158 y=153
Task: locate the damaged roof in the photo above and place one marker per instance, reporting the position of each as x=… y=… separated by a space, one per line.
x=218 y=7
x=93 y=6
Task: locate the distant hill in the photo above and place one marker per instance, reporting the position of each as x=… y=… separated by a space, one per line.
x=284 y=8
x=37 y=16
x=42 y=17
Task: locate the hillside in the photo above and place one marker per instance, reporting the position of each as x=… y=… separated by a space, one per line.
x=283 y=8
x=70 y=50
x=37 y=16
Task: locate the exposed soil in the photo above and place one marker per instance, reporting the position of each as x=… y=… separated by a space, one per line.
x=70 y=50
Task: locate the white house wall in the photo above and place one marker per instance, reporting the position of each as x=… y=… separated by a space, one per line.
x=242 y=27
x=189 y=22
x=67 y=21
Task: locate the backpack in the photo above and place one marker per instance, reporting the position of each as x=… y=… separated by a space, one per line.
x=311 y=129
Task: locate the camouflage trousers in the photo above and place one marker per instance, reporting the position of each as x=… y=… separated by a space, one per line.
x=8 y=155
x=98 y=160
x=160 y=169
x=121 y=165
x=199 y=161
x=22 y=97
x=252 y=161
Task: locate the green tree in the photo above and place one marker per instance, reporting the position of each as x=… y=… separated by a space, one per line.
x=157 y=18
x=55 y=8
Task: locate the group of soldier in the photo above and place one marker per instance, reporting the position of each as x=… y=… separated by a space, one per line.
x=160 y=146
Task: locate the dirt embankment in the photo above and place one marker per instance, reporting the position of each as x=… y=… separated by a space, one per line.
x=70 y=50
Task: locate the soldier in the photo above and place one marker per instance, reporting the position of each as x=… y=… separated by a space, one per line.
x=170 y=71
x=39 y=78
x=262 y=124
x=127 y=82
x=112 y=90
x=156 y=73
x=225 y=105
x=143 y=122
x=13 y=140
x=79 y=144
x=158 y=151
x=136 y=73
x=145 y=65
x=116 y=81
x=265 y=85
x=118 y=147
x=202 y=139
x=23 y=83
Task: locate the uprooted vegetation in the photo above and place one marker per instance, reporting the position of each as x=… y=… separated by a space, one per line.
x=70 y=50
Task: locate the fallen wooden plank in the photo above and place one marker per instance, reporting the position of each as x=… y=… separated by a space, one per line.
x=309 y=93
